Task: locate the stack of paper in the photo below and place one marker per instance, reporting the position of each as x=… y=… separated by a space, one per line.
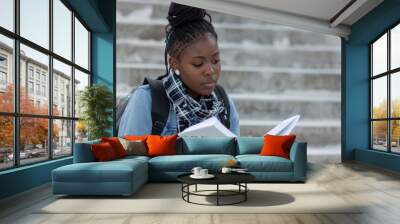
x=211 y=127
x=285 y=127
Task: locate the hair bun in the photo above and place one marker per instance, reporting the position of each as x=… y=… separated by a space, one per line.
x=181 y=14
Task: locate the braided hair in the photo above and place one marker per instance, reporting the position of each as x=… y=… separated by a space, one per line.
x=186 y=24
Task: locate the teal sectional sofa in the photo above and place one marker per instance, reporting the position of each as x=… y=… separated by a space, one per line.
x=125 y=176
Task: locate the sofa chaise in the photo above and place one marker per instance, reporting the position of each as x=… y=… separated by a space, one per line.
x=125 y=176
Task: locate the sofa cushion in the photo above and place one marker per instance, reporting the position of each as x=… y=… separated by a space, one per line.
x=116 y=145
x=206 y=145
x=249 y=145
x=185 y=163
x=83 y=152
x=161 y=145
x=257 y=163
x=103 y=152
x=277 y=145
x=112 y=171
x=134 y=147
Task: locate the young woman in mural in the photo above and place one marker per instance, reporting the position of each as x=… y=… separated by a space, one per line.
x=193 y=68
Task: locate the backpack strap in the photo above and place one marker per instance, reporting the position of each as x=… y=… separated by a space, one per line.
x=221 y=94
x=159 y=105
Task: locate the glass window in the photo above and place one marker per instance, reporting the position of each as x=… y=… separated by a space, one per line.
x=395 y=136
x=395 y=47
x=6 y=142
x=43 y=90
x=30 y=87
x=379 y=56
x=81 y=81
x=3 y=60
x=40 y=62
x=35 y=21
x=379 y=135
x=81 y=45
x=3 y=79
x=81 y=131
x=37 y=89
x=34 y=79
x=62 y=29
x=379 y=100
x=7 y=14
x=62 y=138
x=30 y=72
x=33 y=140
x=62 y=72
x=7 y=88
x=395 y=95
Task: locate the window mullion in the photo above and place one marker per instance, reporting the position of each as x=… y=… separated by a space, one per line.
x=389 y=77
x=73 y=83
x=50 y=81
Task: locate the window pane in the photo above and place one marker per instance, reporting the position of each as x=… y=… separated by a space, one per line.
x=379 y=100
x=6 y=74
x=379 y=55
x=395 y=94
x=33 y=139
x=395 y=47
x=62 y=138
x=34 y=78
x=81 y=81
x=395 y=136
x=62 y=29
x=6 y=142
x=35 y=21
x=81 y=45
x=62 y=89
x=379 y=135
x=7 y=14
x=81 y=131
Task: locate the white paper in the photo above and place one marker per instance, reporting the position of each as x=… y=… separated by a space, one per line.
x=211 y=127
x=285 y=127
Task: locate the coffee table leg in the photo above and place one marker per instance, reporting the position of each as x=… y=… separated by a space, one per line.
x=217 y=194
x=245 y=193
x=196 y=188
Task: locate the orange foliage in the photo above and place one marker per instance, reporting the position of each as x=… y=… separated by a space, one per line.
x=33 y=130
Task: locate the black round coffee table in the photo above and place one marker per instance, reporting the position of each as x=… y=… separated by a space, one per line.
x=238 y=179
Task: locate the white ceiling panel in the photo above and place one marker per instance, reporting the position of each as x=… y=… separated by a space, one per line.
x=333 y=17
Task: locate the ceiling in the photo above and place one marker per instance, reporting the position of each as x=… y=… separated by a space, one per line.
x=333 y=17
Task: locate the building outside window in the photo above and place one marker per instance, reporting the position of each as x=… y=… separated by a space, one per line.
x=34 y=53
x=385 y=92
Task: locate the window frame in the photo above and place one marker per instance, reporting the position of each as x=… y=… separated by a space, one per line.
x=16 y=114
x=388 y=74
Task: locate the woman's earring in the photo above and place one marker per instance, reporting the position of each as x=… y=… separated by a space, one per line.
x=177 y=72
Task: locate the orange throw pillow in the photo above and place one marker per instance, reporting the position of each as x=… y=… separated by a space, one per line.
x=277 y=145
x=116 y=145
x=161 y=145
x=103 y=152
x=136 y=137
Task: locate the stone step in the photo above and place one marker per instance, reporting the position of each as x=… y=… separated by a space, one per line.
x=318 y=105
x=243 y=79
x=230 y=33
x=139 y=51
x=316 y=132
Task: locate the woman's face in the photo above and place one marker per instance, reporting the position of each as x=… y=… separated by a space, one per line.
x=199 y=66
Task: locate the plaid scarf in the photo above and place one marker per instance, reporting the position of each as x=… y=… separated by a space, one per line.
x=189 y=111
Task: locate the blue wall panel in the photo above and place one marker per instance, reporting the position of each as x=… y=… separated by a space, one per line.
x=24 y=178
x=355 y=85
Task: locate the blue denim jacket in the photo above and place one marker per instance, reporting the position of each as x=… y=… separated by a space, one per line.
x=136 y=119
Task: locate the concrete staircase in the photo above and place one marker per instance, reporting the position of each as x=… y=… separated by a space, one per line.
x=271 y=72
